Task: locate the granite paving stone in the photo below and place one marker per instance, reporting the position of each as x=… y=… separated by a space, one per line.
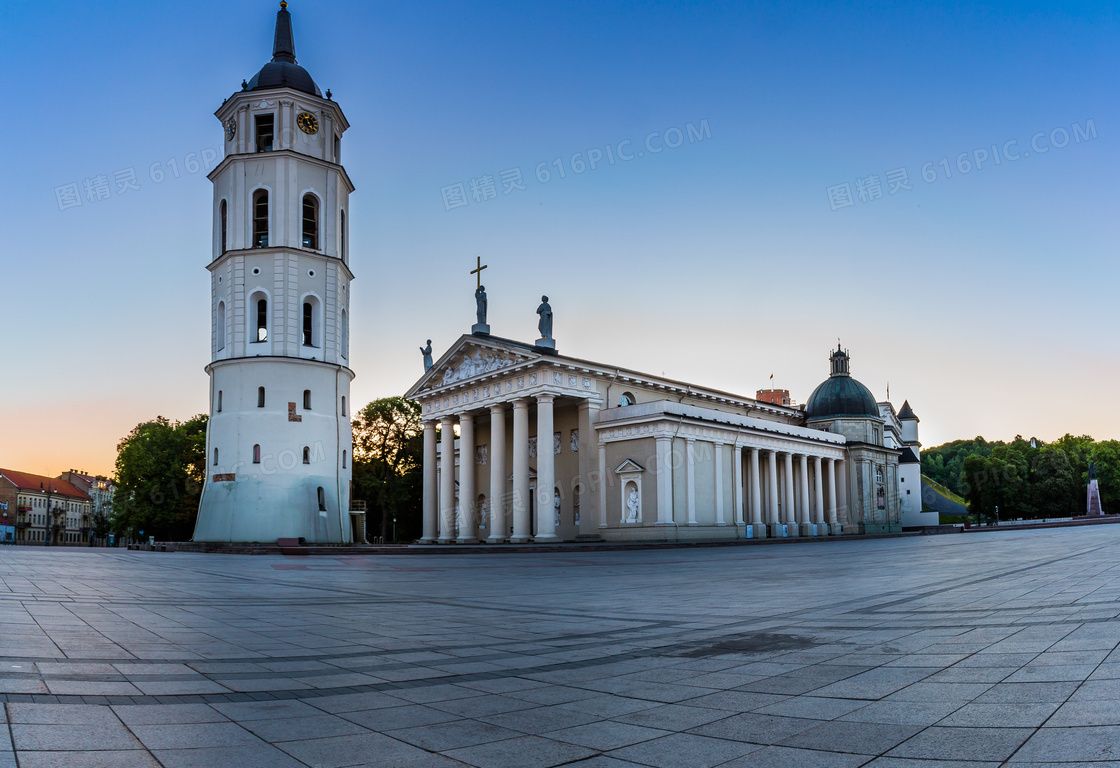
x=911 y=652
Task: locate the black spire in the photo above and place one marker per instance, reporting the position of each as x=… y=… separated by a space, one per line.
x=282 y=71
x=284 y=43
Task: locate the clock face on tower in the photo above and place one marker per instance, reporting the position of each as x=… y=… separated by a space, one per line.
x=231 y=128
x=307 y=122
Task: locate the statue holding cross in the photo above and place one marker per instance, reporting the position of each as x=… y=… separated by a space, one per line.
x=480 y=328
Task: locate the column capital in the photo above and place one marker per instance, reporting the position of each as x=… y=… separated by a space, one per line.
x=588 y=405
x=520 y=403
x=498 y=408
x=690 y=440
x=545 y=398
x=466 y=417
x=447 y=421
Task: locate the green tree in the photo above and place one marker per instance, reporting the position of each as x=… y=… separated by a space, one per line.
x=1054 y=483
x=977 y=487
x=388 y=447
x=160 y=469
x=1106 y=454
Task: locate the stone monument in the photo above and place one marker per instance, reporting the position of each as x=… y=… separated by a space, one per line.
x=1093 y=501
x=545 y=342
x=427 y=353
x=480 y=328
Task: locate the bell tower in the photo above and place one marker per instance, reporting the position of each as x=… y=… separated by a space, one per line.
x=279 y=442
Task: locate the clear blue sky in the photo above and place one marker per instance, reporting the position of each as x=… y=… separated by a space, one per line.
x=985 y=298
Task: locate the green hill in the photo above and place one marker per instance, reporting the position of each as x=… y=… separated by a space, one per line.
x=944 y=491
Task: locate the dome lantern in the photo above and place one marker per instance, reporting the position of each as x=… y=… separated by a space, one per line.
x=841 y=396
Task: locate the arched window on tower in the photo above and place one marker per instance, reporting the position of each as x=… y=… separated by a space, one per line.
x=311 y=222
x=306 y=455
x=322 y=499
x=220 y=331
x=312 y=333
x=260 y=218
x=344 y=459
x=222 y=224
x=257 y=454
x=345 y=346
x=344 y=405
x=342 y=236
x=307 y=399
x=219 y=401
x=308 y=324
x=260 y=397
x=215 y=457
x=262 y=321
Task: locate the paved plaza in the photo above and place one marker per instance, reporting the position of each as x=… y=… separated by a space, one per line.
x=983 y=649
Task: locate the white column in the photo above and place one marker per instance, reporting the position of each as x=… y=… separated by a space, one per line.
x=690 y=477
x=772 y=488
x=738 y=492
x=818 y=491
x=520 y=505
x=755 y=481
x=832 y=495
x=664 y=448
x=468 y=531
x=803 y=517
x=431 y=498
x=602 y=485
x=590 y=507
x=843 y=513
x=719 y=484
x=789 y=509
x=447 y=480
x=546 y=472
x=497 y=474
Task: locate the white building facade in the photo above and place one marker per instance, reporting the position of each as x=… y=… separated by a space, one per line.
x=279 y=440
x=552 y=448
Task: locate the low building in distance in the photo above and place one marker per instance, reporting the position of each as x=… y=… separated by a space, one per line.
x=47 y=510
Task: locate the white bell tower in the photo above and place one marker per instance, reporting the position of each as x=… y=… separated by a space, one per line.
x=279 y=446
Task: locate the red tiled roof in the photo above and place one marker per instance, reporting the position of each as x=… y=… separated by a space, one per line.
x=26 y=481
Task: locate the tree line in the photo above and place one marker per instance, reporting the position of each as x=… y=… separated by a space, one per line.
x=161 y=467
x=1026 y=478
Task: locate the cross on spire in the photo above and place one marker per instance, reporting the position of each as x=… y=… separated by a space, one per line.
x=478 y=270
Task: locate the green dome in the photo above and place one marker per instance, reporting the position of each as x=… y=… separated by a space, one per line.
x=841 y=396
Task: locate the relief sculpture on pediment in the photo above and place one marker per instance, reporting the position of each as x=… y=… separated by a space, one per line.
x=471 y=365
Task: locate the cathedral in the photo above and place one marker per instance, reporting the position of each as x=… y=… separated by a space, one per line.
x=520 y=443
x=278 y=444
x=524 y=444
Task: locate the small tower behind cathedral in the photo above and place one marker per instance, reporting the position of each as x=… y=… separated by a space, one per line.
x=279 y=442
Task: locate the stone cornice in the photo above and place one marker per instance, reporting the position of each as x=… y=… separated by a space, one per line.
x=229 y=160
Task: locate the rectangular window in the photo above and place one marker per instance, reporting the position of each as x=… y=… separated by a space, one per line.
x=307 y=399
x=264 y=133
x=308 y=325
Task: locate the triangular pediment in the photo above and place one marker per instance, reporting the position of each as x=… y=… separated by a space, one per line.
x=629 y=466
x=471 y=357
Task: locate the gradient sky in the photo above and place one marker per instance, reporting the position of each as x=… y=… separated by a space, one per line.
x=986 y=299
